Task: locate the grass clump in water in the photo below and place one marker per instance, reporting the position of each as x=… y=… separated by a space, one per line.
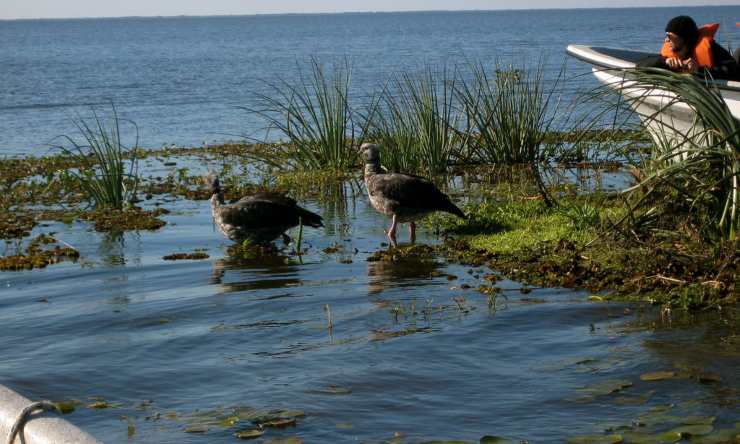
x=108 y=182
x=316 y=119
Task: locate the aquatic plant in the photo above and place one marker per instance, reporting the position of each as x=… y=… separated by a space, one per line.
x=315 y=117
x=109 y=172
x=415 y=123
x=694 y=172
x=511 y=114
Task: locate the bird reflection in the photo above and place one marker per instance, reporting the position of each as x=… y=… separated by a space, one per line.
x=412 y=272
x=254 y=269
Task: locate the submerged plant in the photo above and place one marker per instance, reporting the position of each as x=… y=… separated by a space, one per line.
x=315 y=117
x=694 y=171
x=110 y=178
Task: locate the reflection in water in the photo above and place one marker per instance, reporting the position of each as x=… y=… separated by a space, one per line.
x=409 y=272
x=111 y=249
x=264 y=269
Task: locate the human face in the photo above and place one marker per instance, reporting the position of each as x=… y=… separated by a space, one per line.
x=675 y=41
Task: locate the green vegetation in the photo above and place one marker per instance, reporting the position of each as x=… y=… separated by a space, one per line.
x=693 y=176
x=315 y=117
x=108 y=183
x=415 y=124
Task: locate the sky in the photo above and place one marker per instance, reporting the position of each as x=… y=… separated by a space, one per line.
x=15 y=9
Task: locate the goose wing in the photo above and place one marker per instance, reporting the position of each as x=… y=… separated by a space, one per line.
x=411 y=192
x=268 y=209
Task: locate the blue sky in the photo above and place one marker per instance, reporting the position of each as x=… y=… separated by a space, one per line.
x=108 y=8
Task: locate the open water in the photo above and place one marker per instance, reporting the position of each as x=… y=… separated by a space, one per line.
x=182 y=79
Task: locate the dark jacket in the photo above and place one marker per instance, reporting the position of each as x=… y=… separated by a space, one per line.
x=725 y=66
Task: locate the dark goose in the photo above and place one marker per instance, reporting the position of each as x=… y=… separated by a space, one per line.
x=403 y=197
x=259 y=218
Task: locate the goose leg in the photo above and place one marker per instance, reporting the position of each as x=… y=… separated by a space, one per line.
x=392 y=231
x=412 y=232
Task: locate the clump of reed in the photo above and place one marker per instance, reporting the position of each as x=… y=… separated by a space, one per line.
x=315 y=117
x=110 y=177
x=416 y=123
x=693 y=175
x=510 y=112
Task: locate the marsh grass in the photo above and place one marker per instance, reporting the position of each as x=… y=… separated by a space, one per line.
x=694 y=172
x=415 y=123
x=314 y=118
x=111 y=179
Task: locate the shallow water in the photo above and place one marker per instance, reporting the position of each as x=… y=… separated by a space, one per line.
x=168 y=343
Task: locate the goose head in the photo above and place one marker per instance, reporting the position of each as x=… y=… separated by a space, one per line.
x=371 y=152
x=217 y=193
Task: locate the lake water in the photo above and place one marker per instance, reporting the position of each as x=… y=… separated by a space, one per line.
x=172 y=346
x=181 y=79
x=178 y=345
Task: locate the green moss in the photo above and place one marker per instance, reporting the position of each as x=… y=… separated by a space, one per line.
x=36 y=256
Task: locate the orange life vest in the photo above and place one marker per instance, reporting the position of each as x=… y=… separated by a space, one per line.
x=702 y=50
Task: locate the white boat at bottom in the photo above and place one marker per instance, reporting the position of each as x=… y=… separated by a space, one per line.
x=664 y=114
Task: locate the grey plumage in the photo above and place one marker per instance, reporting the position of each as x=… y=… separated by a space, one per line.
x=259 y=218
x=403 y=197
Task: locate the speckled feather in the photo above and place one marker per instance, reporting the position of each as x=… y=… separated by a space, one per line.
x=261 y=217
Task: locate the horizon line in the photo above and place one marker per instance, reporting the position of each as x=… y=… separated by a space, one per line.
x=368 y=12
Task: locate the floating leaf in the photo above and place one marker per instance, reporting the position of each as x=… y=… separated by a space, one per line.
x=694 y=430
x=595 y=439
x=634 y=400
x=249 y=434
x=709 y=378
x=657 y=438
x=65 y=407
x=607 y=387
x=279 y=423
x=288 y=440
x=497 y=440
x=332 y=390
x=657 y=376
x=722 y=436
x=698 y=420
x=196 y=429
x=229 y=421
x=595 y=298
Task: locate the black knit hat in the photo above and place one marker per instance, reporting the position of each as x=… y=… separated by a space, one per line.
x=684 y=27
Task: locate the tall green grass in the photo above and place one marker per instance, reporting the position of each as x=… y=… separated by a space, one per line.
x=315 y=118
x=696 y=171
x=510 y=113
x=111 y=179
x=416 y=123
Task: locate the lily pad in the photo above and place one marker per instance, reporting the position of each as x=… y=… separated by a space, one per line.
x=229 y=421
x=196 y=429
x=249 y=434
x=288 y=440
x=279 y=423
x=657 y=438
x=657 y=376
x=698 y=420
x=607 y=387
x=694 y=430
x=488 y=439
x=595 y=439
x=722 y=436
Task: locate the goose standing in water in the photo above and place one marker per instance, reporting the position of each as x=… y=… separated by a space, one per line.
x=258 y=218
x=403 y=197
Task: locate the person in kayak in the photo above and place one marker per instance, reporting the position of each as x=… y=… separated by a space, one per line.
x=690 y=49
